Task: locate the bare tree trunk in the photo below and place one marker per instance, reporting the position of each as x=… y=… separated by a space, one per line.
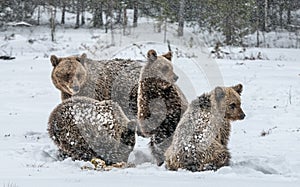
x=106 y=22
x=119 y=15
x=135 y=13
x=160 y=21
x=165 y=30
x=111 y=21
x=39 y=15
x=124 y=20
x=266 y=15
x=289 y=7
x=257 y=37
x=181 y=18
x=281 y=14
x=23 y=10
x=100 y=14
x=260 y=13
x=112 y=34
x=63 y=12
x=258 y=22
x=77 y=14
x=82 y=12
x=52 y=22
x=227 y=31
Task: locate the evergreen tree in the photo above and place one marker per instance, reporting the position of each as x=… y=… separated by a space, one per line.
x=231 y=17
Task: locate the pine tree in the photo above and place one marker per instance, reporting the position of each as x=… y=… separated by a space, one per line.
x=231 y=17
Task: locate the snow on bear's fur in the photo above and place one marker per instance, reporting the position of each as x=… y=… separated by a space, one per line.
x=84 y=128
x=201 y=137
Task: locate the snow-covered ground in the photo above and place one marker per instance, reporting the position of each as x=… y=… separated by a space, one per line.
x=265 y=146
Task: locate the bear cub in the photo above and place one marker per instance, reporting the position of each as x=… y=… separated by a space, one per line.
x=160 y=103
x=201 y=137
x=84 y=128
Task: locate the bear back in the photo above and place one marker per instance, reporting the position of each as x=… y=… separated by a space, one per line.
x=84 y=128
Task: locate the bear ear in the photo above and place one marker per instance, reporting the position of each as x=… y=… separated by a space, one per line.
x=219 y=93
x=54 y=60
x=238 y=88
x=168 y=55
x=152 y=55
x=81 y=58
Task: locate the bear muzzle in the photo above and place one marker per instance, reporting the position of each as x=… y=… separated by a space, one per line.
x=73 y=90
x=242 y=116
x=76 y=88
x=175 y=77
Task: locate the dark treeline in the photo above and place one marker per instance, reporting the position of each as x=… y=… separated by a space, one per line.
x=233 y=18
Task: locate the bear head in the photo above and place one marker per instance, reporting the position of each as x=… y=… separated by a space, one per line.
x=68 y=74
x=159 y=67
x=229 y=102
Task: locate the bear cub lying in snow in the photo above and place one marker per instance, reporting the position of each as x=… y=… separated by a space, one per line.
x=201 y=137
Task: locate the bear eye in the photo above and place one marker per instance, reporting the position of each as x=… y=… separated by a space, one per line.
x=165 y=69
x=232 y=106
x=67 y=76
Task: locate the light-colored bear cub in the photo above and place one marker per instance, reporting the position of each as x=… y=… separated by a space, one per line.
x=201 y=137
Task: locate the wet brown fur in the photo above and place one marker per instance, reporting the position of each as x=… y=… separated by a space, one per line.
x=201 y=137
x=160 y=103
x=84 y=128
x=101 y=80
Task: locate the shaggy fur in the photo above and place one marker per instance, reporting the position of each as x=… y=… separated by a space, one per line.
x=160 y=103
x=101 y=80
x=201 y=137
x=84 y=128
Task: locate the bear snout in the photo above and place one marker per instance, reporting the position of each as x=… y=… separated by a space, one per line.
x=242 y=116
x=175 y=77
x=76 y=88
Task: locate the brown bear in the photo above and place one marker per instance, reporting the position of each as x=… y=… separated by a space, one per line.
x=101 y=80
x=201 y=137
x=84 y=128
x=160 y=103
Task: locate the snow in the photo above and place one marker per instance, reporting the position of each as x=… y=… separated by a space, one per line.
x=265 y=146
x=20 y=24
